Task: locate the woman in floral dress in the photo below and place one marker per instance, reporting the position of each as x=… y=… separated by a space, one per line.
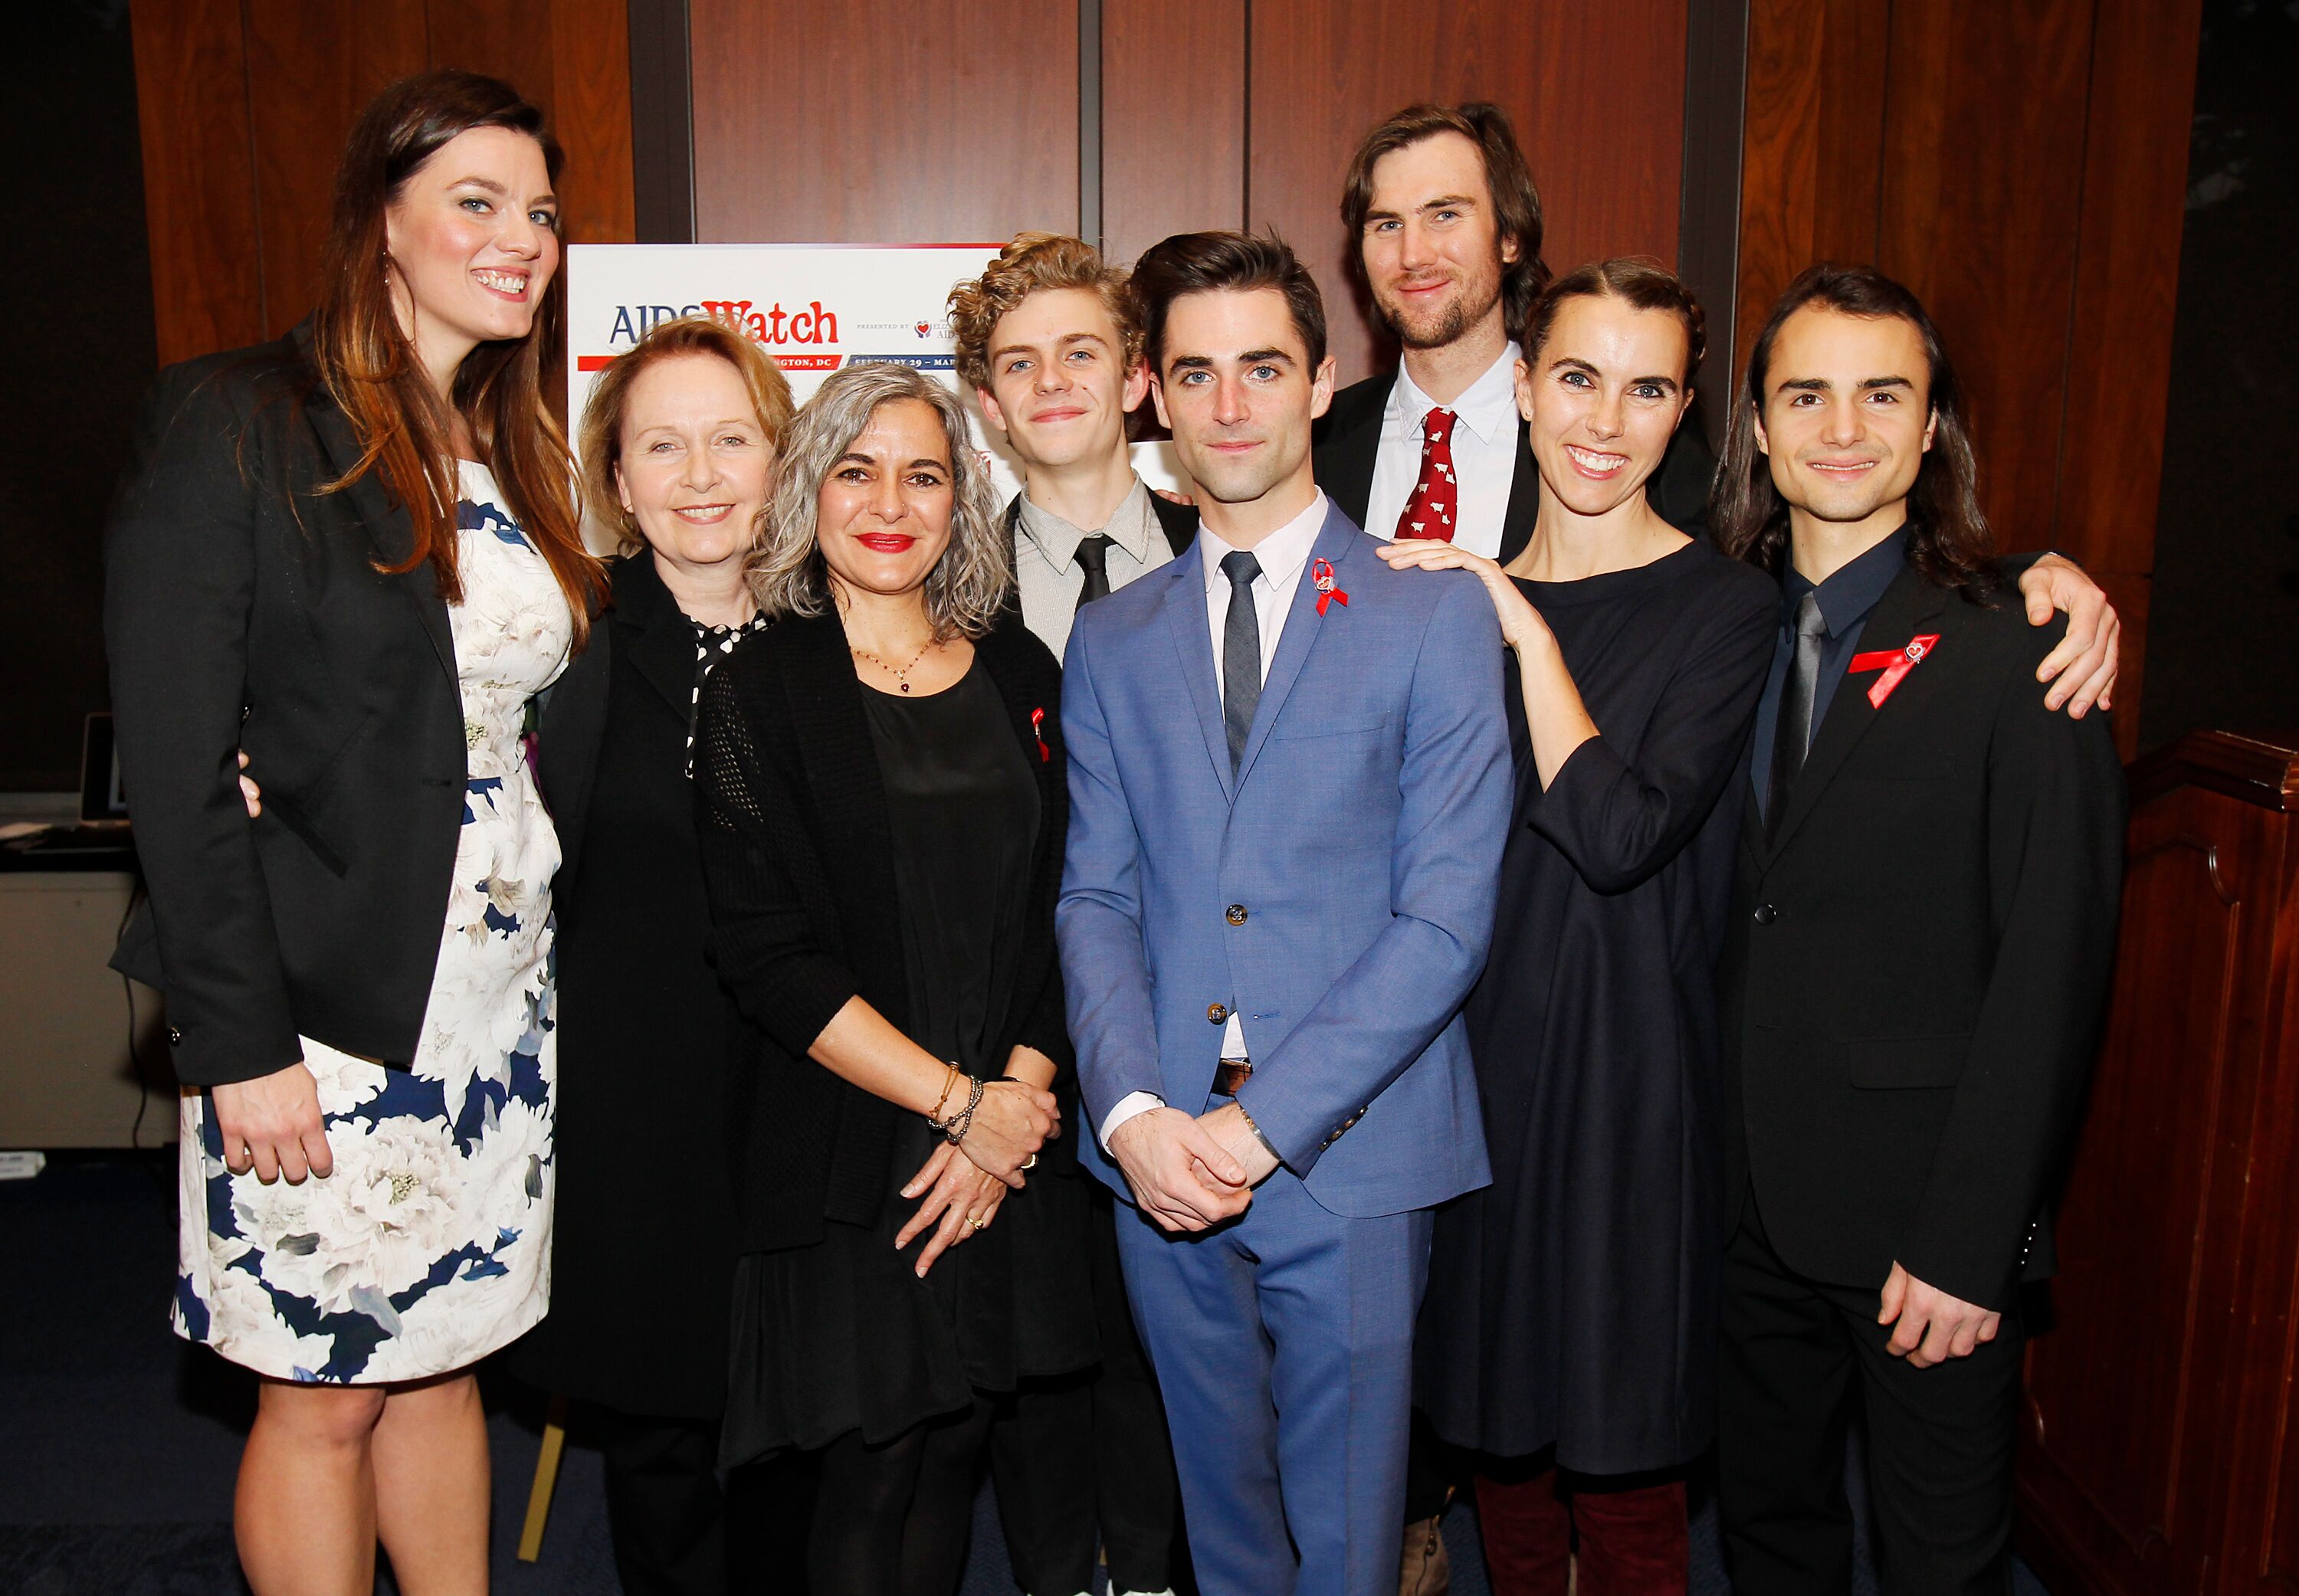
x=352 y=554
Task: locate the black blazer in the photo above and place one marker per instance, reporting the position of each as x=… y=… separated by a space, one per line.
x=1346 y=441
x=645 y=1031
x=243 y=609
x=1914 y=971
x=798 y=853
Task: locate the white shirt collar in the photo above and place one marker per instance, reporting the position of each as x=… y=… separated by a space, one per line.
x=1130 y=526
x=1488 y=406
x=1280 y=554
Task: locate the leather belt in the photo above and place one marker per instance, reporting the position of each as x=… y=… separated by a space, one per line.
x=1228 y=1075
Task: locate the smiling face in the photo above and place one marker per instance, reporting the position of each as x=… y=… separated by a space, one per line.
x=1847 y=418
x=1602 y=396
x=1238 y=393
x=694 y=462
x=883 y=515
x=1059 y=386
x=473 y=240
x=1431 y=245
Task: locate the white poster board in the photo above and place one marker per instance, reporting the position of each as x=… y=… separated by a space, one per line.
x=815 y=307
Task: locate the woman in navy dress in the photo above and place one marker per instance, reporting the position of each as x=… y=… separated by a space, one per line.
x=1568 y=1335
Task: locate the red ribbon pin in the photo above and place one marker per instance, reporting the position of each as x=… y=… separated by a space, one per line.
x=1038 y=731
x=1321 y=577
x=1895 y=662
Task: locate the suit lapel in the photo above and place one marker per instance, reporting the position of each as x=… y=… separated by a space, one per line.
x=1523 y=500
x=388 y=526
x=661 y=640
x=1185 y=613
x=1346 y=465
x=1336 y=541
x=1897 y=616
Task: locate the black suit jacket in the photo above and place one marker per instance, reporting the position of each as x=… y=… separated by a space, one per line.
x=1347 y=440
x=1914 y=969
x=243 y=609
x=798 y=855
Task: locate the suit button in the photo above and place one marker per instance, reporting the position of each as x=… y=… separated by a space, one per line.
x=1215 y=1013
x=1765 y=914
x=1236 y=915
x=175 y=1036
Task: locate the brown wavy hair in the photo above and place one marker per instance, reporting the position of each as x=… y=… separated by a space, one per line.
x=369 y=367
x=1949 y=540
x=600 y=434
x=1642 y=283
x=1517 y=203
x=1033 y=262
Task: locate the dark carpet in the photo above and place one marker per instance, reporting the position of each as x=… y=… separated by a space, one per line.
x=118 y=1443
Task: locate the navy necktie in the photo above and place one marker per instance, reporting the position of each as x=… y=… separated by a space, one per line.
x=1240 y=653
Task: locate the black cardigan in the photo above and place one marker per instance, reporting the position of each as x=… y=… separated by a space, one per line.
x=243 y=609
x=798 y=855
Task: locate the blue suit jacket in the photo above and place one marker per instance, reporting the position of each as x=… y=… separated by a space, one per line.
x=1361 y=836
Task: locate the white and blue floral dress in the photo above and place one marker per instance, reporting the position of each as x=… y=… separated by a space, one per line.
x=430 y=1246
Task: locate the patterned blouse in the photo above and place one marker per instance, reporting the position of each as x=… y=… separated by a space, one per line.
x=711 y=645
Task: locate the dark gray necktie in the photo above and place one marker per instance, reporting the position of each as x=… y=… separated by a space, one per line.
x=1240 y=653
x=1793 y=736
x=1093 y=554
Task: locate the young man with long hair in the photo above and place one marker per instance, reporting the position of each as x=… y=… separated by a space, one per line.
x=1920 y=936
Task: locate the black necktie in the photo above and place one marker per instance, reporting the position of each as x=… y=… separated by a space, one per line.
x=1093 y=554
x=1793 y=736
x=1240 y=653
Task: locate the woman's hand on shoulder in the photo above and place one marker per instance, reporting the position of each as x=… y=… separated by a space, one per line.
x=1521 y=622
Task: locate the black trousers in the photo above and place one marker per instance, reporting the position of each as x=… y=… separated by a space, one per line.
x=665 y=1511
x=1085 y=1459
x=1796 y=1354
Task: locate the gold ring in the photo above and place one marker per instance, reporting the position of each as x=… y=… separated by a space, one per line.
x=979 y=1224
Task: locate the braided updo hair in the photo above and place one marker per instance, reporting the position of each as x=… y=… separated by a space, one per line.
x=1634 y=280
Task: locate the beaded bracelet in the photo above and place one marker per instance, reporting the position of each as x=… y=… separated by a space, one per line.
x=954 y=1128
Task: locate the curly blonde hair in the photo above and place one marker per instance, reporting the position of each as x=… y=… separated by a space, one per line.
x=599 y=441
x=1033 y=262
x=969 y=584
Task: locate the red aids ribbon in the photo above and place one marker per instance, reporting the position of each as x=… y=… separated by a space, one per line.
x=1038 y=731
x=1895 y=662
x=1321 y=577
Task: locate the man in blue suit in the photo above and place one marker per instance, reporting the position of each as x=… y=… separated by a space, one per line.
x=1288 y=783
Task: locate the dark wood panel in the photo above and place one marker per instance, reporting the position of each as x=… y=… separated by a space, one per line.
x=1173 y=144
x=2143 y=95
x=883 y=120
x=591 y=113
x=199 y=176
x=1606 y=144
x=1812 y=151
x=310 y=70
x=509 y=39
x=1983 y=171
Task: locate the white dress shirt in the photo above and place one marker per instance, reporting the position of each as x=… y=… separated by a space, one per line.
x=1284 y=555
x=1045 y=560
x=1485 y=455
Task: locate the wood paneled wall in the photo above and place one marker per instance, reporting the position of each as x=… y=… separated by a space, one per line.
x=2021 y=167
x=245 y=105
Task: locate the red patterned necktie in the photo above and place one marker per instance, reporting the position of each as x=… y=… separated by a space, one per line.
x=1435 y=503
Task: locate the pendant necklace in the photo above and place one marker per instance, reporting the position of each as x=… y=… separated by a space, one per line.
x=900 y=674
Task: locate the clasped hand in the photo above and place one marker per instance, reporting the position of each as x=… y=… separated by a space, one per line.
x=1191 y=1174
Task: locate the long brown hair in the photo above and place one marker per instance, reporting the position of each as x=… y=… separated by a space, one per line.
x=1949 y=541
x=369 y=366
x=1517 y=203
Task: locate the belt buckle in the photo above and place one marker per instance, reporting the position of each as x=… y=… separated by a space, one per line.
x=1230 y=1074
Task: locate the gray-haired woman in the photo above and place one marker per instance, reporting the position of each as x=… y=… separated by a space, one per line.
x=882 y=804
